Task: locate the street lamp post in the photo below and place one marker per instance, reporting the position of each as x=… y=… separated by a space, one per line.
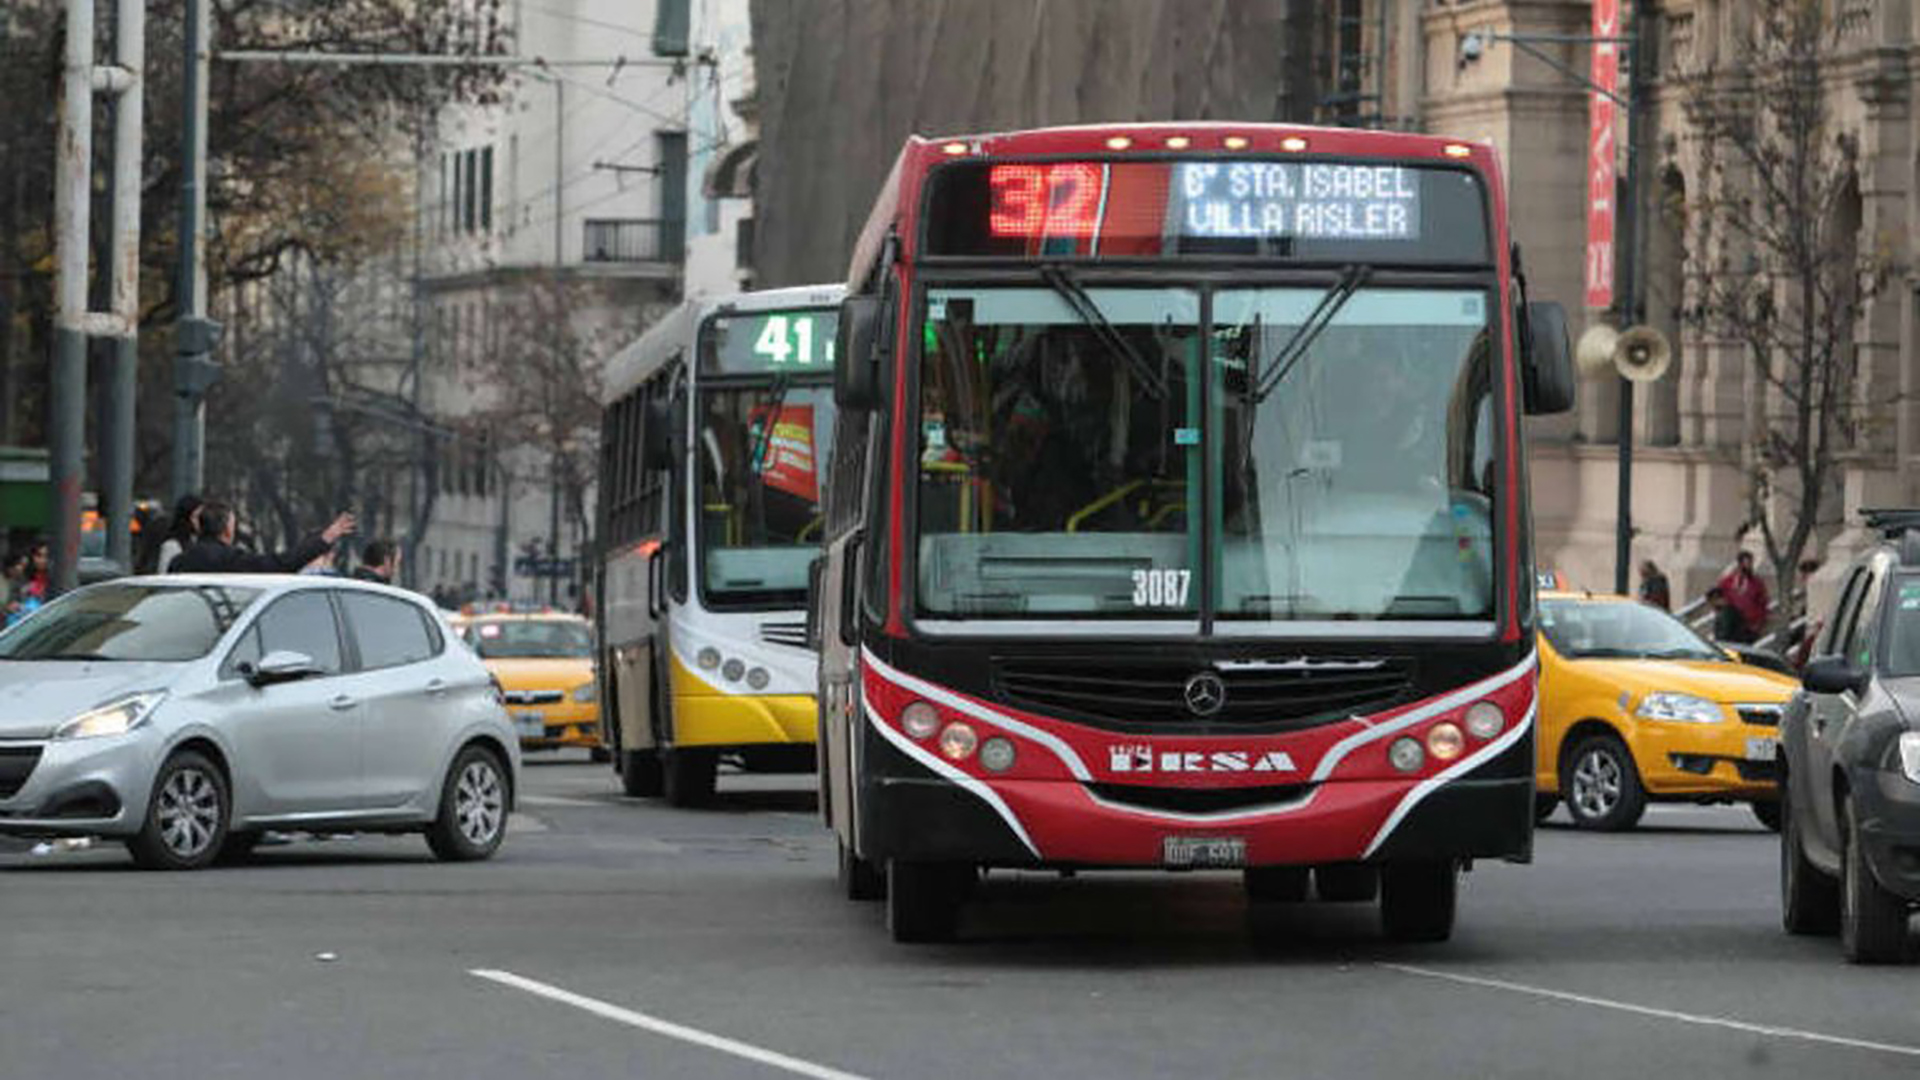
x=1626 y=256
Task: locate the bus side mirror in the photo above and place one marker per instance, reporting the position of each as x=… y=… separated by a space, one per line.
x=856 y=355
x=816 y=570
x=850 y=589
x=1548 y=359
x=656 y=452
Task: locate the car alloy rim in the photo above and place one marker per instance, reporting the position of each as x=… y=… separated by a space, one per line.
x=478 y=801
x=1596 y=784
x=189 y=812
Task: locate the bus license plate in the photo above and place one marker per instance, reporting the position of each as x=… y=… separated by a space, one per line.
x=531 y=725
x=1203 y=852
x=1762 y=749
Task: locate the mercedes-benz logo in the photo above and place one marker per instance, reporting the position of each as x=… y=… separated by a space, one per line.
x=1205 y=694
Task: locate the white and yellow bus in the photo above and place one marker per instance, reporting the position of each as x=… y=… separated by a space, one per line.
x=715 y=437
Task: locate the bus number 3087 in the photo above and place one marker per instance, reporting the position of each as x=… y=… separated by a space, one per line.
x=1161 y=588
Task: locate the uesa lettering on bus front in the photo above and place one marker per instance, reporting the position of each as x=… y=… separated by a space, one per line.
x=1324 y=201
x=1140 y=758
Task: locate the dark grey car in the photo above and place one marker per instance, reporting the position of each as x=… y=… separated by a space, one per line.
x=188 y=714
x=1850 y=747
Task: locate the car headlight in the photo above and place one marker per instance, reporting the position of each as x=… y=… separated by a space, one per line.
x=1910 y=755
x=585 y=693
x=113 y=718
x=1684 y=708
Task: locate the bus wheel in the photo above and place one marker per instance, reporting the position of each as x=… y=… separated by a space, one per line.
x=689 y=776
x=859 y=878
x=1276 y=884
x=1417 y=900
x=923 y=900
x=640 y=773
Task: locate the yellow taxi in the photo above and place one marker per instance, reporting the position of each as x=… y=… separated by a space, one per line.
x=1636 y=707
x=543 y=661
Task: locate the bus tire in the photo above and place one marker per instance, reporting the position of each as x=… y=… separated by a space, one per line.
x=923 y=900
x=1417 y=900
x=860 y=879
x=1275 y=884
x=640 y=773
x=1346 y=883
x=688 y=776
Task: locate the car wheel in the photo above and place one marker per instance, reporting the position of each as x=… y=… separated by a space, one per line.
x=640 y=773
x=1417 y=900
x=859 y=878
x=924 y=899
x=473 y=808
x=187 y=815
x=1809 y=899
x=1346 y=883
x=689 y=776
x=1544 y=806
x=1276 y=884
x=1603 y=791
x=1767 y=813
x=1873 y=921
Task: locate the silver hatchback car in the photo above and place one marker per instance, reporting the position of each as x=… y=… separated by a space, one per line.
x=188 y=714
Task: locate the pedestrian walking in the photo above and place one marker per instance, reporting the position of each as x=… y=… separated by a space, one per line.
x=183 y=528
x=1653 y=586
x=379 y=561
x=214 y=552
x=1747 y=594
x=1728 y=625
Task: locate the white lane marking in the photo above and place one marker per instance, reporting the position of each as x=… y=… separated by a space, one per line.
x=663 y=1027
x=1767 y=1030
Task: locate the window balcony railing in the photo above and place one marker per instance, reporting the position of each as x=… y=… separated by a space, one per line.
x=626 y=240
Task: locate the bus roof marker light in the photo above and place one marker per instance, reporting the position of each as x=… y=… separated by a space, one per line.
x=1484 y=720
x=1119 y=142
x=1234 y=142
x=954 y=149
x=1178 y=142
x=1406 y=754
x=958 y=741
x=1457 y=150
x=1293 y=143
x=1445 y=741
x=920 y=719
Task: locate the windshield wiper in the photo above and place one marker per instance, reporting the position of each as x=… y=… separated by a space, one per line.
x=1062 y=281
x=1264 y=381
x=775 y=400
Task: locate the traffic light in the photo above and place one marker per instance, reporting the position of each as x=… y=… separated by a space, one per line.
x=194 y=371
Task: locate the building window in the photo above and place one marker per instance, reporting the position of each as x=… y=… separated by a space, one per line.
x=670 y=150
x=672 y=25
x=486 y=189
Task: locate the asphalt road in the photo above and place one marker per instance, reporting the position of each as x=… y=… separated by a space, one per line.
x=620 y=938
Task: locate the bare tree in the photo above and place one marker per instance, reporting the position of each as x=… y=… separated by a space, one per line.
x=1778 y=266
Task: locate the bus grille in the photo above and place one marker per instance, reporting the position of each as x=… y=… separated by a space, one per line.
x=792 y=633
x=1152 y=692
x=16 y=764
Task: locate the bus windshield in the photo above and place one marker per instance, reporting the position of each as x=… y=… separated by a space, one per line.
x=760 y=453
x=1336 y=461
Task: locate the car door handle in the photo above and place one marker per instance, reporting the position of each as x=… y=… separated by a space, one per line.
x=436 y=687
x=341 y=702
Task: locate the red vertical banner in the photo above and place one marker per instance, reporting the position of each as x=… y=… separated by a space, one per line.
x=1601 y=188
x=789 y=465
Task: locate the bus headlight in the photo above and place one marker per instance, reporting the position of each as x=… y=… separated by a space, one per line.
x=997 y=754
x=1406 y=754
x=958 y=740
x=732 y=670
x=585 y=694
x=1683 y=708
x=1444 y=741
x=1484 y=720
x=920 y=719
x=757 y=678
x=708 y=659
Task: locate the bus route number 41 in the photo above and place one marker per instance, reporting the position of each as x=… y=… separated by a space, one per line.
x=1161 y=588
x=789 y=341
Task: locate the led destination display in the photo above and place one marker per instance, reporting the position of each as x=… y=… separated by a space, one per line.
x=1264 y=199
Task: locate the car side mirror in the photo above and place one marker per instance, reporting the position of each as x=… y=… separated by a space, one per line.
x=1833 y=675
x=1548 y=367
x=279 y=666
x=856 y=355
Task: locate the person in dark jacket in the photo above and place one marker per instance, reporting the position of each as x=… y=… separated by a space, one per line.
x=215 y=553
x=379 y=561
x=1653 y=586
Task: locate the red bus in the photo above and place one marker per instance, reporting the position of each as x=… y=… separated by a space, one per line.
x=1178 y=518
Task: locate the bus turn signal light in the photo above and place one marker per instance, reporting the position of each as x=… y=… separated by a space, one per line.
x=1445 y=742
x=958 y=740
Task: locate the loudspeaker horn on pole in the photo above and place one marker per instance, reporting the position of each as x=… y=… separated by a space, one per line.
x=1642 y=354
x=1593 y=356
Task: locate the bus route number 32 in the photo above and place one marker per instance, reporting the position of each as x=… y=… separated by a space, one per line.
x=1161 y=588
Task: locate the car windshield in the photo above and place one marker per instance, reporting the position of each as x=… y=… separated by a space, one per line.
x=531 y=639
x=1343 y=446
x=1590 y=629
x=157 y=623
